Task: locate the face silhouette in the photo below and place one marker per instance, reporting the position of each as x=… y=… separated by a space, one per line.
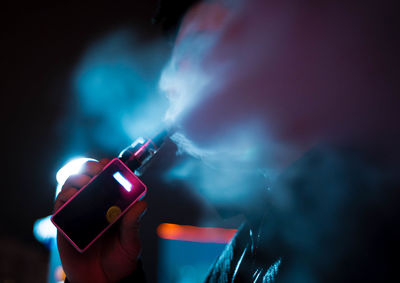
x=253 y=86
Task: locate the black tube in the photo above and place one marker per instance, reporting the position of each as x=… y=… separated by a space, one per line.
x=141 y=152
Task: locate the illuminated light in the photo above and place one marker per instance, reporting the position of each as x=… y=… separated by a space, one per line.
x=59 y=274
x=123 y=181
x=44 y=230
x=142 y=148
x=195 y=234
x=71 y=168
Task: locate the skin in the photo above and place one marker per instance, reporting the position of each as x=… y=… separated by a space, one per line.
x=113 y=256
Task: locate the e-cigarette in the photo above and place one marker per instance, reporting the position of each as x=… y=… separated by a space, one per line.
x=108 y=195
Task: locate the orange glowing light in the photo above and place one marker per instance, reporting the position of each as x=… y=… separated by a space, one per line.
x=59 y=274
x=195 y=234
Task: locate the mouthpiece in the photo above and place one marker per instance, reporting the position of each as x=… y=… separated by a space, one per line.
x=139 y=154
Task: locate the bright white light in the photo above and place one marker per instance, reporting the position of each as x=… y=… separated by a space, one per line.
x=123 y=181
x=44 y=230
x=71 y=168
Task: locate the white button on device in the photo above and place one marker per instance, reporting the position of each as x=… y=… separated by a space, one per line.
x=123 y=181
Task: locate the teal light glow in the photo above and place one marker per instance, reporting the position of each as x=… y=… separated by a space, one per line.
x=116 y=87
x=44 y=230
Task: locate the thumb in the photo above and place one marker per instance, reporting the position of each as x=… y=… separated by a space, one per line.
x=129 y=233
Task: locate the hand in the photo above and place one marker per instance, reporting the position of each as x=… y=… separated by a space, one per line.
x=114 y=255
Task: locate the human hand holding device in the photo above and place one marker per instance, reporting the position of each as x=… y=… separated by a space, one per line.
x=114 y=255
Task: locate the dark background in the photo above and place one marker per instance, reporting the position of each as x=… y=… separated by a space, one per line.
x=40 y=46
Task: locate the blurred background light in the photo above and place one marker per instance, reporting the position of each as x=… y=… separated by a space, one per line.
x=44 y=230
x=194 y=233
x=187 y=252
x=59 y=274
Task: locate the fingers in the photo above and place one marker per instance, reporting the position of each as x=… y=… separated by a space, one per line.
x=70 y=188
x=63 y=197
x=133 y=215
x=104 y=161
x=129 y=235
x=75 y=182
x=92 y=168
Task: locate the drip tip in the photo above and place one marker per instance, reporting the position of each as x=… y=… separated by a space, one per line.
x=139 y=154
x=160 y=138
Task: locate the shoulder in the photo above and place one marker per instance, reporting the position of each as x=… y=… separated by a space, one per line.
x=223 y=268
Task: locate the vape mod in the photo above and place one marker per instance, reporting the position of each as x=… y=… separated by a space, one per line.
x=99 y=204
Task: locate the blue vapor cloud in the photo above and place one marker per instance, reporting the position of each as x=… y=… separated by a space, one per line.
x=116 y=91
